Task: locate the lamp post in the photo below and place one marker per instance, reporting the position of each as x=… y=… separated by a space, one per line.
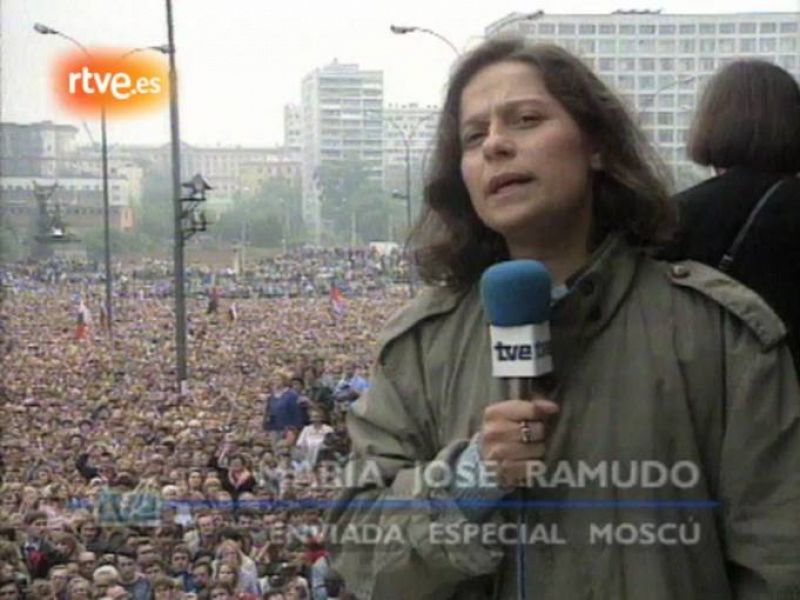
x=45 y=30
x=407 y=138
x=664 y=88
x=404 y=29
x=175 y=140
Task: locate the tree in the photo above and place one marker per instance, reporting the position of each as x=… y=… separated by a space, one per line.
x=155 y=215
x=122 y=242
x=353 y=203
x=266 y=219
x=13 y=245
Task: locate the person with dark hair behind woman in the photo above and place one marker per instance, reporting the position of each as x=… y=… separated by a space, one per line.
x=747 y=127
x=654 y=364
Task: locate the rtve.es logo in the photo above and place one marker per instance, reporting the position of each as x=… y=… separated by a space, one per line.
x=125 y=85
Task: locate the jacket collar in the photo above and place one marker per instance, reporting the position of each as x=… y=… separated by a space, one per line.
x=596 y=293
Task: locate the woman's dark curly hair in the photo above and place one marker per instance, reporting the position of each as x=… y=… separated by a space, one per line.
x=451 y=246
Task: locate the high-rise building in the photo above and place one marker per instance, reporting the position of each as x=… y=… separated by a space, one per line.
x=342 y=115
x=659 y=62
x=293 y=130
x=412 y=128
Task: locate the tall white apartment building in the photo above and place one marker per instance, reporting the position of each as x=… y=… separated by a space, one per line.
x=342 y=119
x=407 y=127
x=659 y=62
x=293 y=130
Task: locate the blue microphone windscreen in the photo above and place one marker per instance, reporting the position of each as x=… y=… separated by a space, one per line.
x=516 y=292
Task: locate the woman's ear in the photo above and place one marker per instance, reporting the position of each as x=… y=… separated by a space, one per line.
x=596 y=162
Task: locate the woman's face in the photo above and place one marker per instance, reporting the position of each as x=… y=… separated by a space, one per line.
x=62 y=547
x=525 y=162
x=79 y=589
x=89 y=531
x=229 y=554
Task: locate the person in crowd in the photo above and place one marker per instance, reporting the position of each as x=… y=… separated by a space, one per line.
x=350 y=386
x=165 y=588
x=58 y=578
x=312 y=437
x=130 y=578
x=90 y=534
x=282 y=408
x=230 y=553
x=41 y=589
x=37 y=550
x=228 y=574
x=745 y=220
x=203 y=537
x=79 y=588
x=201 y=573
x=103 y=578
x=537 y=159
x=220 y=591
x=180 y=562
x=10 y=589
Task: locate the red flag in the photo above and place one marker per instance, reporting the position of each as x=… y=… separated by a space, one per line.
x=338 y=302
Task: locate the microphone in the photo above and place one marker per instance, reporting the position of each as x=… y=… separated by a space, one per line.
x=516 y=297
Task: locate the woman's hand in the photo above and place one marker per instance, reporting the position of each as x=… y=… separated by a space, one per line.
x=513 y=436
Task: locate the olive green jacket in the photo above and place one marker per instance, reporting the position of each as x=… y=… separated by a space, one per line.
x=654 y=362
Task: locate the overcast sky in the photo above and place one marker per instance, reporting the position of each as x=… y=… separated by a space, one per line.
x=241 y=61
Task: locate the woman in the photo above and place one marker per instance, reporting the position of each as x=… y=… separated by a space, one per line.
x=312 y=437
x=79 y=588
x=747 y=128
x=67 y=545
x=537 y=159
x=229 y=556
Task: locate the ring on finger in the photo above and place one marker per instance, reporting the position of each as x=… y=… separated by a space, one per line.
x=526 y=433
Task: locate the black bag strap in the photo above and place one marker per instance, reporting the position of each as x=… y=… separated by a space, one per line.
x=727 y=259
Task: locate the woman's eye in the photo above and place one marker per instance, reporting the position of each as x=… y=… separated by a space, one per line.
x=472 y=138
x=529 y=118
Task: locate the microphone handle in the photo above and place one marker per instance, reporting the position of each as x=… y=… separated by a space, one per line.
x=524 y=388
x=527 y=388
x=519 y=388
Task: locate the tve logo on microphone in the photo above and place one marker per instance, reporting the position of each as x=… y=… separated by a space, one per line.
x=124 y=84
x=521 y=351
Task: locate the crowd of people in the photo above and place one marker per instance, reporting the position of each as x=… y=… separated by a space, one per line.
x=117 y=486
x=298 y=272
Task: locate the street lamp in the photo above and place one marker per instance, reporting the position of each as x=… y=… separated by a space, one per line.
x=45 y=30
x=407 y=138
x=403 y=29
